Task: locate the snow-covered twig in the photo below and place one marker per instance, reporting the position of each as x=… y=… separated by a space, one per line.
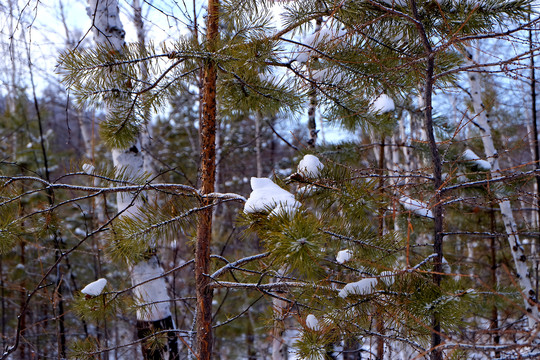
x=176 y=268
x=343 y=237
x=272 y=286
x=417 y=266
x=225 y=196
x=237 y=263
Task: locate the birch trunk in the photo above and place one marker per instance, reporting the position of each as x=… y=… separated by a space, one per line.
x=518 y=252
x=153 y=301
x=279 y=345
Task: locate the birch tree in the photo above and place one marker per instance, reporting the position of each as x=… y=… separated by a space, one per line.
x=150 y=288
x=519 y=255
x=327 y=221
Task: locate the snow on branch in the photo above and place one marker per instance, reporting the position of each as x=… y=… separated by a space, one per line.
x=344 y=256
x=480 y=164
x=312 y=323
x=239 y=262
x=416 y=206
x=310 y=166
x=268 y=195
x=311 y=41
x=381 y=105
x=94 y=288
x=362 y=287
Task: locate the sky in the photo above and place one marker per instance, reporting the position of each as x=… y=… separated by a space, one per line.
x=40 y=24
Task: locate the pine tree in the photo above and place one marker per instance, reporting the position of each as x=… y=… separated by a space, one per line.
x=328 y=255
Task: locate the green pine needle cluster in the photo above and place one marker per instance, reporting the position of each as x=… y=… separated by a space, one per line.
x=155 y=223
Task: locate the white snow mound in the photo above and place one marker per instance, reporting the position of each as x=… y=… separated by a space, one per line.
x=416 y=206
x=267 y=194
x=95 y=288
x=362 y=287
x=382 y=104
x=88 y=168
x=312 y=323
x=324 y=35
x=387 y=277
x=285 y=209
x=396 y=2
x=310 y=165
x=344 y=256
x=482 y=165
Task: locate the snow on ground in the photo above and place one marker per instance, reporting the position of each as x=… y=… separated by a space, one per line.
x=362 y=287
x=267 y=194
x=344 y=256
x=482 y=165
x=95 y=288
x=310 y=166
x=416 y=206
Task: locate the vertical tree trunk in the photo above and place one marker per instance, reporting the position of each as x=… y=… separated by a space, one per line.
x=379 y=320
x=279 y=345
x=258 y=144
x=207 y=130
x=151 y=296
x=312 y=110
x=494 y=324
x=436 y=353
x=536 y=152
x=518 y=252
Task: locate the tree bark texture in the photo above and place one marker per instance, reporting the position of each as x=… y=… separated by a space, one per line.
x=510 y=225
x=436 y=353
x=279 y=344
x=151 y=296
x=536 y=152
x=207 y=130
x=313 y=102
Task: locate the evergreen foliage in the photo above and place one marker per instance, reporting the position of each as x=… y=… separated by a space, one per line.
x=60 y=231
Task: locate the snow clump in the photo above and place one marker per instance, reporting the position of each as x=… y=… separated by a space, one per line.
x=396 y=2
x=94 y=288
x=324 y=35
x=387 y=277
x=312 y=323
x=284 y=209
x=482 y=165
x=88 y=168
x=416 y=206
x=362 y=287
x=268 y=195
x=344 y=256
x=382 y=104
x=310 y=166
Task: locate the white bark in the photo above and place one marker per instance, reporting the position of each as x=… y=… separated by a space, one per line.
x=151 y=296
x=518 y=252
x=279 y=345
x=280 y=310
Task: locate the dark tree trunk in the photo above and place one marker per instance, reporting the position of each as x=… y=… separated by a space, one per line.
x=208 y=172
x=436 y=353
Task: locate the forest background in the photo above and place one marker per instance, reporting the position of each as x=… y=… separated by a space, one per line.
x=258 y=180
